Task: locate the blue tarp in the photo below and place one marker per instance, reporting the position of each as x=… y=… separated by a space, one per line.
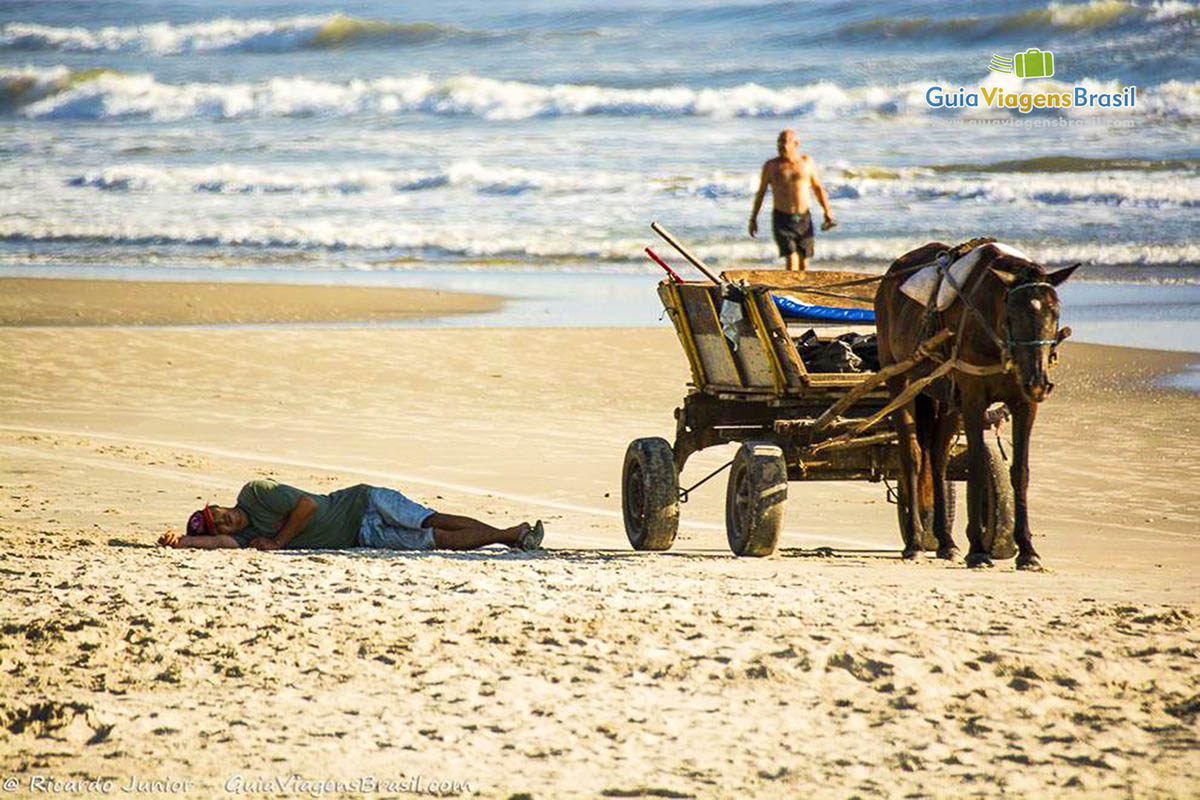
x=791 y=307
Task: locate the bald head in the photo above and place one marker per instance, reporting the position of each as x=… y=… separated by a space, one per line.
x=787 y=142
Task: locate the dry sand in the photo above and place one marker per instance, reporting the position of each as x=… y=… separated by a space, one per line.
x=36 y=301
x=586 y=670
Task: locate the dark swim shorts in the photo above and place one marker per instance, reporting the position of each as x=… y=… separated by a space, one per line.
x=793 y=233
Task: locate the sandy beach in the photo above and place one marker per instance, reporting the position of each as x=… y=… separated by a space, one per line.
x=587 y=669
x=36 y=302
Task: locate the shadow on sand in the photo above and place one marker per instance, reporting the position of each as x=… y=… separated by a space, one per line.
x=588 y=555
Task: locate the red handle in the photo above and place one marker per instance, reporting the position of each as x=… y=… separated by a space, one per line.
x=675 y=277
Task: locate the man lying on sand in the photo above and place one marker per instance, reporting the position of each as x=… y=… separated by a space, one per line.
x=273 y=516
x=790 y=175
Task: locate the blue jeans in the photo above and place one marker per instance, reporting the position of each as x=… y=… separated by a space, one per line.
x=393 y=522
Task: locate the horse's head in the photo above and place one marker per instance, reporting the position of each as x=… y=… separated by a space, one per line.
x=1031 y=311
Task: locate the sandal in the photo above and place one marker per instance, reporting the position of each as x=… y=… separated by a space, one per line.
x=532 y=538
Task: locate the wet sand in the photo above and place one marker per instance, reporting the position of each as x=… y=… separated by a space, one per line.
x=586 y=669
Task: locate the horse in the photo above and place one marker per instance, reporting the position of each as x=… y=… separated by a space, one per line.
x=1005 y=325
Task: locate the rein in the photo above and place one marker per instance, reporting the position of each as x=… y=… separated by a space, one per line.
x=823 y=290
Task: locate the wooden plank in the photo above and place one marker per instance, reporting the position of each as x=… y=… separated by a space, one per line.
x=756 y=319
x=910 y=391
x=753 y=355
x=837 y=379
x=711 y=347
x=668 y=292
x=849 y=444
x=792 y=368
x=698 y=308
x=712 y=295
x=714 y=348
x=908 y=394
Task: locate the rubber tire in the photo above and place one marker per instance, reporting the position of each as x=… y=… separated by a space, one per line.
x=650 y=494
x=925 y=537
x=755 y=499
x=1000 y=511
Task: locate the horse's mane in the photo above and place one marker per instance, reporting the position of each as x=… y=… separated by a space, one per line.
x=1024 y=269
x=958 y=251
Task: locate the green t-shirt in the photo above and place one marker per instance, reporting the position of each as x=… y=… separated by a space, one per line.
x=335 y=524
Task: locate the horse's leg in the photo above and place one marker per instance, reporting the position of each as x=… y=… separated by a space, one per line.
x=925 y=414
x=910 y=462
x=1023 y=414
x=929 y=414
x=939 y=453
x=974 y=407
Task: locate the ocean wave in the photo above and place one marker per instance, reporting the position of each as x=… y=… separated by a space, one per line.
x=871 y=252
x=58 y=93
x=114 y=96
x=1087 y=17
x=239 y=179
x=234 y=35
x=1125 y=189
x=1129 y=190
x=22 y=87
x=416 y=244
x=1075 y=164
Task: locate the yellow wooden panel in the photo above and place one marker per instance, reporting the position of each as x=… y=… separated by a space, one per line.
x=706 y=333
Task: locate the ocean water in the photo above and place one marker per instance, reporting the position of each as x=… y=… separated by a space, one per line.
x=340 y=138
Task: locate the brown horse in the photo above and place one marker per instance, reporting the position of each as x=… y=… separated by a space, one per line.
x=1005 y=323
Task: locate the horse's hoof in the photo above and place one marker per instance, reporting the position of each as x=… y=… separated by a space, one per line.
x=977 y=560
x=950 y=553
x=910 y=554
x=1031 y=563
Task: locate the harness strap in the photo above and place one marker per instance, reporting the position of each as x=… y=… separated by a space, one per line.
x=975 y=369
x=1030 y=285
x=978 y=315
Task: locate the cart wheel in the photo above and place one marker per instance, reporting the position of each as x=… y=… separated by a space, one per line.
x=926 y=539
x=650 y=494
x=755 y=499
x=1000 y=513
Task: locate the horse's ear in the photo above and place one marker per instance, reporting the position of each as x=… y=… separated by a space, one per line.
x=1007 y=278
x=1058 y=276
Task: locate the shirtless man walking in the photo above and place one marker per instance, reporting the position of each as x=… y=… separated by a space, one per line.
x=789 y=177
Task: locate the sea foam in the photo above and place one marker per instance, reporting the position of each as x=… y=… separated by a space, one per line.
x=234 y=35
x=903 y=185
x=104 y=94
x=1067 y=18
x=537 y=246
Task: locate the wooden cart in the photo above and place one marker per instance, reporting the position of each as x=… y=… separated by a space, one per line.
x=750 y=386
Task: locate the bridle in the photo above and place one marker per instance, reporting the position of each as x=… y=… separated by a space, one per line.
x=1013 y=343
x=1006 y=346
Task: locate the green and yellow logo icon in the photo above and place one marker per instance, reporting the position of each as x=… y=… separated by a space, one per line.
x=1033 y=63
